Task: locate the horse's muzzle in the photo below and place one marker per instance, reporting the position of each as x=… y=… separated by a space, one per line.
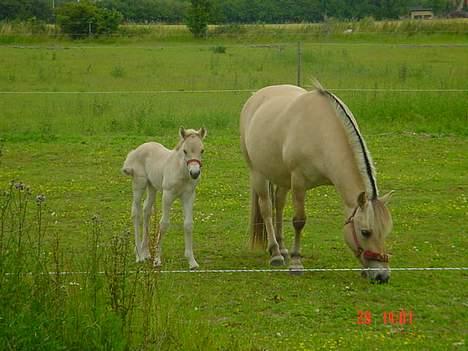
x=194 y=173
x=380 y=276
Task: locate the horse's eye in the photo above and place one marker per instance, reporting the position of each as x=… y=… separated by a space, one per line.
x=185 y=152
x=202 y=151
x=366 y=233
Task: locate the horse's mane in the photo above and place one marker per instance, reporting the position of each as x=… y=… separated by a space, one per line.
x=188 y=133
x=361 y=153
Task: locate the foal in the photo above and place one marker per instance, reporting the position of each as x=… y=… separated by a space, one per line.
x=175 y=173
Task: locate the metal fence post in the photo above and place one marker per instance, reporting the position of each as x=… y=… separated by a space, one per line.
x=299 y=63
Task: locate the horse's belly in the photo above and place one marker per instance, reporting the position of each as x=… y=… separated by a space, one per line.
x=270 y=164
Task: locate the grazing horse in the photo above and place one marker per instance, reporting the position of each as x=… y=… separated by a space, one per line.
x=175 y=173
x=294 y=139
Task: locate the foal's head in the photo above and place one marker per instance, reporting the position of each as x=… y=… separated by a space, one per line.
x=365 y=233
x=191 y=145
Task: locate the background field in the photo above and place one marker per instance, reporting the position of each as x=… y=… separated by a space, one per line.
x=75 y=110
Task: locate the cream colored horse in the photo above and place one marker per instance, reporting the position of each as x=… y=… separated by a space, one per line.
x=298 y=140
x=175 y=173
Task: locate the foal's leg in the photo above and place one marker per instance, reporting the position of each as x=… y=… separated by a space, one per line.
x=138 y=186
x=188 y=228
x=147 y=211
x=281 y=194
x=299 y=220
x=167 y=200
x=260 y=185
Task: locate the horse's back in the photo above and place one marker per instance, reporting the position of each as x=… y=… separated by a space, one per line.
x=146 y=156
x=264 y=97
x=283 y=125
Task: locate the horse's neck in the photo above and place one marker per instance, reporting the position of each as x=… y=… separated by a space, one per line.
x=176 y=160
x=349 y=184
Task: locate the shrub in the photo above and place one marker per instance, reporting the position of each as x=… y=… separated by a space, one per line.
x=198 y=17
x=84 y=18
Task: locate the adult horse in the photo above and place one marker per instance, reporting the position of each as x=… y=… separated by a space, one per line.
x=297 y=140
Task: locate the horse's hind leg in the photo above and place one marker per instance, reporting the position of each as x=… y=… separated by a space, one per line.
x=167 y=200
x=280 y=195
x=260 y=186
x=138 y=186
x=147 y=211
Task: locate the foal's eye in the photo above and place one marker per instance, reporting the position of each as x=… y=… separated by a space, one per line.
x=366 y=233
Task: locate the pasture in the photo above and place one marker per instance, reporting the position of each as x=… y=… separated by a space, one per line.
x=75 y=111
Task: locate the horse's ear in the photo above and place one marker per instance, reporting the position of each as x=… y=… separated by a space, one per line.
x=387 y=197
x=182 y=132
x=203 y=132
x=362 y=199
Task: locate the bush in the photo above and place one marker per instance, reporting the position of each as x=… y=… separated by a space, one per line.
x=84 y=19
x=198 y=17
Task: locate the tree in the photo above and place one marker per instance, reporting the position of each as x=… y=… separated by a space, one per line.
x=25 y=9
x=84 y=18
x=198 y=16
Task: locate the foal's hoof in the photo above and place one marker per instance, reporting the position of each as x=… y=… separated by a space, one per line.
x=193 y=265
x=157 y=262
x=276 y=261
x=285 y=254
x=297 y=269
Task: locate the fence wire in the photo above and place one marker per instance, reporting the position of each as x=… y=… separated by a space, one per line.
x=245 y=270
x=224 y=91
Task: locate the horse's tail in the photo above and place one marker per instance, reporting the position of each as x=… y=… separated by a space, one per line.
x=127 y=168
x=258 y=233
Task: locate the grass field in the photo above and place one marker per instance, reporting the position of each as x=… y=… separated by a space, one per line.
x=77 y=108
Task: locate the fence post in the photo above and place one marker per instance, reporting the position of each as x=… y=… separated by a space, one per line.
x=90 y=32
x=299 y=63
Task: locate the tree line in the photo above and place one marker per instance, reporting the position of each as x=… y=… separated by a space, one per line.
x=232 y=11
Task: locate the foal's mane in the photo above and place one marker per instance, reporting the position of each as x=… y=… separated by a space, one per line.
x=356 y=141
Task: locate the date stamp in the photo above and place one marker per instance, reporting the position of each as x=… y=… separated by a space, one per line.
x=401 y=317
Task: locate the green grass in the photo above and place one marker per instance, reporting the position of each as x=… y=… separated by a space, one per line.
x=70 y=147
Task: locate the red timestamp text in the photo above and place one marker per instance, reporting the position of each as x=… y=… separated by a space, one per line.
x=402 y=317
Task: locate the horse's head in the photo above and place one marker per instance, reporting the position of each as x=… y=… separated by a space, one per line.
x=365 y=233
x=191 y=145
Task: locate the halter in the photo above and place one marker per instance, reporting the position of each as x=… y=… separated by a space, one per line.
x=368 y=255
x=194 y=160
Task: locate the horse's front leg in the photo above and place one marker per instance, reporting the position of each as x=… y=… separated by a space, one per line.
x=138 y=187
x=299 y=220
x=188 y=200
x=167 y=200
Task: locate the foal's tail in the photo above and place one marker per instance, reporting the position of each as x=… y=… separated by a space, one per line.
x=127 y=168
x=258 y=233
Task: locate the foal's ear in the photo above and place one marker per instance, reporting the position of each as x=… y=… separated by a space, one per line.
x=362 y=199
x=182 y=132
x=203 y=132
x=387 y=197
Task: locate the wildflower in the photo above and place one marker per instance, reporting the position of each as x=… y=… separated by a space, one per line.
x=40 y=199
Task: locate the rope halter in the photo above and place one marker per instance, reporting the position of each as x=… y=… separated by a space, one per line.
x=367 y=254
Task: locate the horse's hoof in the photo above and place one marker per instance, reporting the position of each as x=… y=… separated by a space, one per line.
x=157 y=262
x=276 y=261
x=285 y=254
x=194 y=267
x=296 y=270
